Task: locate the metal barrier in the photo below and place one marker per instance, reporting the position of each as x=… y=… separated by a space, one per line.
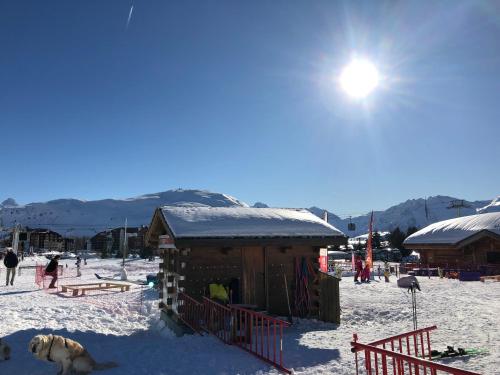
x=191 y=312
x=218 y=320
x=254 y=332
x=406 y=354
x=260 y=335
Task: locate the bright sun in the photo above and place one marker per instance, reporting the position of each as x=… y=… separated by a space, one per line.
x=359 y=78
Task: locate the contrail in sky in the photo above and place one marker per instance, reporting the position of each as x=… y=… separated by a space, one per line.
x=129 y=15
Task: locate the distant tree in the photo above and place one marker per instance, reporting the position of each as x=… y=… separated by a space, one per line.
x=411 y=230
x=396 y=238
x=376 y=240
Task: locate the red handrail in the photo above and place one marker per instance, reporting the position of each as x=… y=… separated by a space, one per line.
x=401 y=358
x=414 y=359
x=191 y=312
x=218 y=320
x=260 y=334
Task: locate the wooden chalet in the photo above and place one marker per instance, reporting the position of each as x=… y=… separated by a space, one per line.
x=469 y=242
x=114 y=237
x=257 y=249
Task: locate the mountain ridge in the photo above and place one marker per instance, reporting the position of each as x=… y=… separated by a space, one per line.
x=74 y=217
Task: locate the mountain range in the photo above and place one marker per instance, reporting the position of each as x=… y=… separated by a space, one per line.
x=73 y=217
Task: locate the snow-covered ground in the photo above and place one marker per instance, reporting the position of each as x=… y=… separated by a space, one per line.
x=124 y=327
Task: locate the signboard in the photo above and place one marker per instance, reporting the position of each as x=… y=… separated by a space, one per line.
x=323 y=260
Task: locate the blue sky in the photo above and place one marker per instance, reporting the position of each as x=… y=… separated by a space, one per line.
x=242 y=98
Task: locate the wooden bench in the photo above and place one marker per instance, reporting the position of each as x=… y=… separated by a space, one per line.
x=94 y=286
x=494 y=278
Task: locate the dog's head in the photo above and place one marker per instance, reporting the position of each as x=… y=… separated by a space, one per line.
x=4 y=351
x=38 y=344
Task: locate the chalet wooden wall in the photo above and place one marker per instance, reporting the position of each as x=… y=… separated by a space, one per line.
x=283 y=258
x=261 y=272
x=471 y=254
x=206 y=265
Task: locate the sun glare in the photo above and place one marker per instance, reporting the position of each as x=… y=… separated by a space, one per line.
x=359 y=78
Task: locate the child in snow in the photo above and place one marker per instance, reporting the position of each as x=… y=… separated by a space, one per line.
x=52 y=269
x=365 y=275
x=387 y=271
x=358 y=266
x=78 y=262
x=440 y=272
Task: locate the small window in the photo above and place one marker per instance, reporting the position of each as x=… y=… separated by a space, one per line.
x=493 y=257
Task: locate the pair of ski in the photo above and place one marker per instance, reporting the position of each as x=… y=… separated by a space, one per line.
x=459 y=352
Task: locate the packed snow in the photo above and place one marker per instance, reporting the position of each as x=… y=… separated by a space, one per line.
x=245 y=222
x=455 y=230
x=125 y=327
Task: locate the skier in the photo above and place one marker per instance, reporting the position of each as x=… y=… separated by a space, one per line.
x=10 y=261
x=52 y=269
x=358 y=266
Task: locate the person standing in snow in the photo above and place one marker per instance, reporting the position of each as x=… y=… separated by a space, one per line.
x=365 y=274
x=10 y=261
x=78 y=262
x=358 y=266
x=52 y=269
x=387 y=271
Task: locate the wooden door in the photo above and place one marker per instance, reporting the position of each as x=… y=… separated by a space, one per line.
x=254 y=288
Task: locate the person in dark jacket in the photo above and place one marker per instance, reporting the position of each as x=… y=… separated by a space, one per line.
x=10 y=261
x=52 y=269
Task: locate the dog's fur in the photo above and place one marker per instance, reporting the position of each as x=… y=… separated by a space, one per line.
x=72 y=357
x=4 y=351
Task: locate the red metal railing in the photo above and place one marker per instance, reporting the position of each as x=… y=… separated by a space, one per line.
x=191 y=312
x=254 y=332
x=402 y=354
x=218 y=320
x=260 y=335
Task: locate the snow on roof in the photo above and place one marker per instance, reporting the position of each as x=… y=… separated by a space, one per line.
x=455 y=230
x=219 y=222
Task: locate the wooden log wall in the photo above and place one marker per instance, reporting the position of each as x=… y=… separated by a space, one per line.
x=284 y=258
x=192 y=270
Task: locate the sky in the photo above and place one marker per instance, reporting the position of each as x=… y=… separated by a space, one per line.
x=243 y=98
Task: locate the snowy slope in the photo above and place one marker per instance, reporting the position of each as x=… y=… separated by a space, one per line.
x=76 y=217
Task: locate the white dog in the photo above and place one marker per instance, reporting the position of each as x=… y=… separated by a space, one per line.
x=4 y=351
x=68 y=354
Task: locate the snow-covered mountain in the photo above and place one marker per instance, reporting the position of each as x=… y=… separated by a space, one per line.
x=71 y=217
x=493 y=206
x=412 y=213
